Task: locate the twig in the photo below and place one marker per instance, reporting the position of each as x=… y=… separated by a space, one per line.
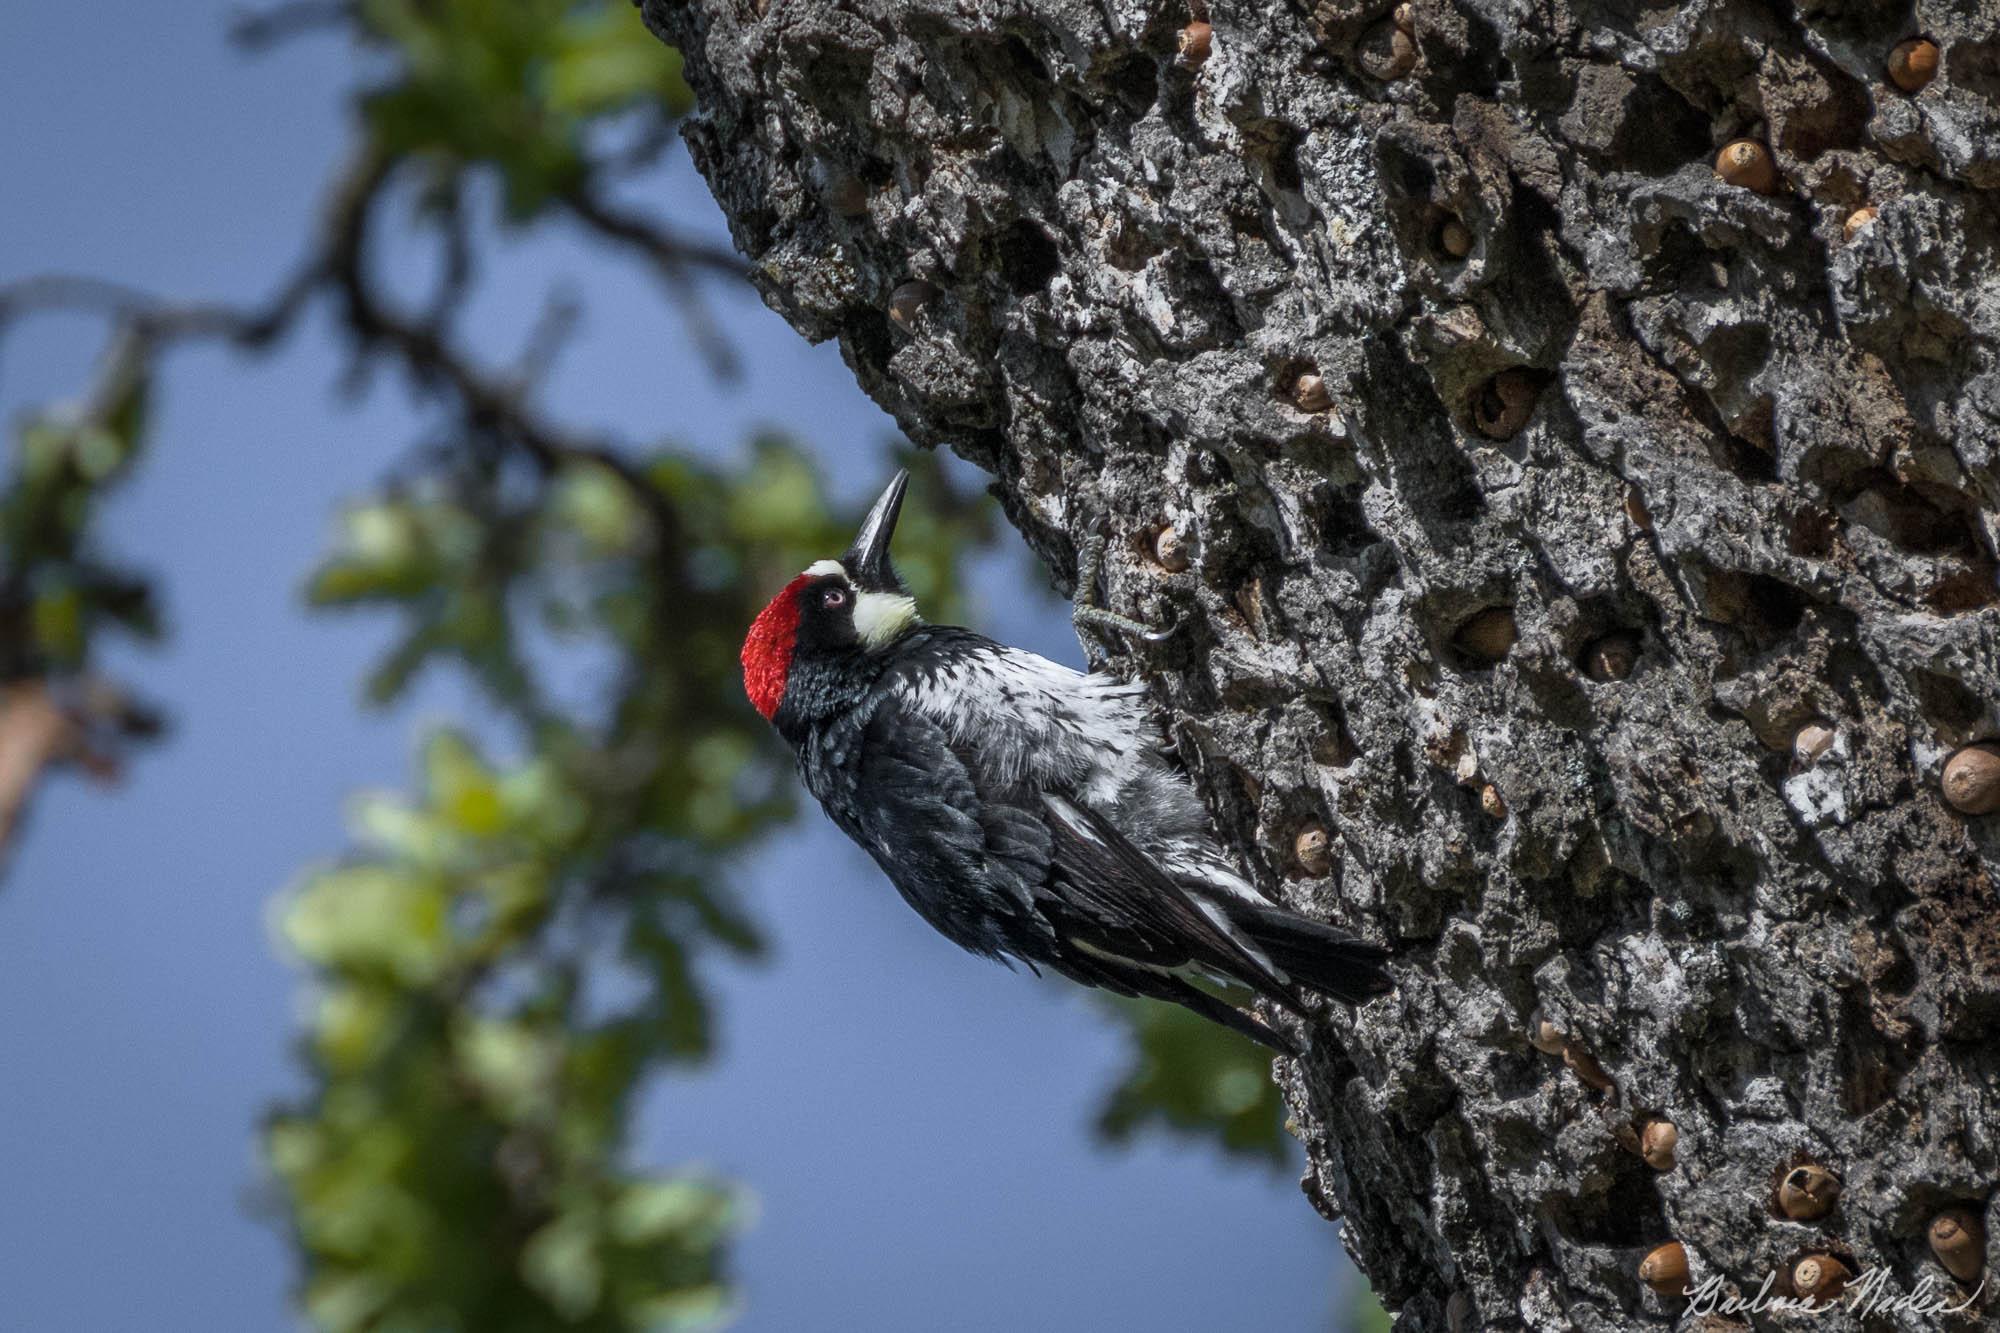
x=672 y=257
x=44 y=725
x=559 y=319
x=258 y=30
x=338 y=265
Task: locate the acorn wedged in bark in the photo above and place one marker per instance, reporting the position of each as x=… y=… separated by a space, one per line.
x=1665 y=1269
x=1747 y=163
x=1820 y=1276
x=1958 y=1239
x=1808 y=1192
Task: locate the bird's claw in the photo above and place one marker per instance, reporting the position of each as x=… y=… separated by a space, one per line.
x=1083 y=614
x=1098 y=618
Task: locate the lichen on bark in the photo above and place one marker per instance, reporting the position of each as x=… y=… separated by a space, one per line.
x=1727 y=470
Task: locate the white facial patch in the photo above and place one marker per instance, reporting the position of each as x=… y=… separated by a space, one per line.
x=821 y=568
x=881 y=618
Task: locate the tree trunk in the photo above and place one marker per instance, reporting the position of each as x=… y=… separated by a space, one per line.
x=1616 y=620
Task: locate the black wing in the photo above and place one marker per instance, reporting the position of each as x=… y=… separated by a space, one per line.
x=1009 y=871
x=970 y=868
x=1111 y=896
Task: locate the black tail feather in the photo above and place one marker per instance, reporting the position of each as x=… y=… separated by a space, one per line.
x=1125 y=979
x=1220 y=1011
x=1315 y=956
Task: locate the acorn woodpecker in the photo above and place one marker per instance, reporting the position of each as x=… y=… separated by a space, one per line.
x=1024 y=809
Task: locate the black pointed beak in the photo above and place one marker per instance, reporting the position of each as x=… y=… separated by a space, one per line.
x=867 y=561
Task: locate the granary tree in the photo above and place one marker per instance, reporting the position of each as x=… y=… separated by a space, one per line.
x=1563 y=439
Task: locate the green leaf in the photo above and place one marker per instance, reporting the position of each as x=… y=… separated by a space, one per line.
x=370 y=919
x=562 y=1263
x=1195 y=1077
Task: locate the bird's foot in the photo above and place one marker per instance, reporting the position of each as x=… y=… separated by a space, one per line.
x=1086 y=615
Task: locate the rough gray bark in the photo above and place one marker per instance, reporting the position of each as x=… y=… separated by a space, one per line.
x=1671 y=424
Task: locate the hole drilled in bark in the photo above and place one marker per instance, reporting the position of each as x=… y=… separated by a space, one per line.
x=868 y=340
x=1625 y=1212
x=1333 y=745
x=1871 y=1063
x=1823 y=108
x=1485 y=638
x=1676 y=258
x=1662 y=129
x=1027 y=258
x=1966 y=590
x=1134 y=83
x=1500 y=408
x=1947 y=704
x=1975 y=66
x=1883 y=504
x=1811 y=532
x=1343 y=524
x=1750 y=449
x=1775 y=608
x=1767 y=610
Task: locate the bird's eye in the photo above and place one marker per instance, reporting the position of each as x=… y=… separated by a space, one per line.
x=833 y=598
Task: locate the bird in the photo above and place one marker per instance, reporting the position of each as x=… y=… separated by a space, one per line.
x=1028 y=811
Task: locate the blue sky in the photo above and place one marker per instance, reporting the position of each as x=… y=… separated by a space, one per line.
x=913 y=1122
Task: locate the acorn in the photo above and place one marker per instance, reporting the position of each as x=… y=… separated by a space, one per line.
x=1490 y=802
x=1972 y=779
x=1665 y=1270
x=1856 y=220
x=1808 y=1192
x=1503 y=404
x=1812 y=741
x=1169 y=551
x=1820 y=1276
x=1584 y=1065
x=1959 y=1242
x=1656 y=1144
x=1196 y=40
x=1386 y=52
x=1545 y=1036
x=1454 y=238
x=1635 y=509
x=1611 y=657
x=1312 y=850
x=1309 y=393
x=1405 y=16
x=1913 y=63
x=909 y=299
x=1489 y=635
x=1747 y=163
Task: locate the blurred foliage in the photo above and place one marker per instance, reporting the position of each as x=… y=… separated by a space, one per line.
x=1196 y=1077
x=58 y=591
x=456 y=1169
x=519 y=85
